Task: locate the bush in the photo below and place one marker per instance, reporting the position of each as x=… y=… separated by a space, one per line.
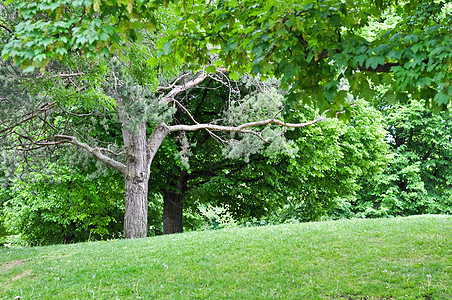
x=64 y=206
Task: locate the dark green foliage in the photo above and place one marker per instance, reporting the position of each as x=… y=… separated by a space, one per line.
x=310 y=45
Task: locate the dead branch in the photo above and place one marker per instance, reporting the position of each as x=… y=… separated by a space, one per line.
x=173 y=84
x=186 y=86
x=63 y=75
x=185 y=110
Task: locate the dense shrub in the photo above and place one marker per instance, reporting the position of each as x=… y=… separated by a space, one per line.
x=64 y=205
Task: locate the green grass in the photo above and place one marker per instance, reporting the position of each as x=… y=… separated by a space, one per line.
x=400 y=258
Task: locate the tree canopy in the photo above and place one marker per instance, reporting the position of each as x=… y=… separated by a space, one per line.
x=312 y=45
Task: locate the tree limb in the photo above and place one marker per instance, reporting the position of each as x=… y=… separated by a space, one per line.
x=63 y=75
x=95 y=151
x=186 y=86
x=6 y=28
x=241 y=128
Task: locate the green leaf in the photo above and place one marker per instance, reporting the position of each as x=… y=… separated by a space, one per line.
x=441 y=98
x=61 y=51
x=411 y=38
x=395 y=37
x=105 y=51
x=416 y=48
x=336 y=20
x=395 y=54
x=391 y=97
x=30 y=69
x=375 y=61
x=380 y=48
x=211 y=70
x=386 y=79
x=230 y=46
x=403 y=98
x=330 y=90
x=359 y=60
x=167 y=49
x=234 y=76
x=152 y=61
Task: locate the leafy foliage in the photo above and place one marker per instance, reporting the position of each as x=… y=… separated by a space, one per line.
x=418 y=175
x=64 y=206
x=311 y=45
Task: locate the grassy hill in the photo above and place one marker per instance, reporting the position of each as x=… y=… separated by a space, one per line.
x=400 y=258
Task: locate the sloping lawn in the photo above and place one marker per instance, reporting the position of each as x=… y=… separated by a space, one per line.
x=400 y=258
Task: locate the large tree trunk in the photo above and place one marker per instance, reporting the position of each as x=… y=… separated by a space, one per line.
x=136 y=184
x=173 y=204
x=139 y=156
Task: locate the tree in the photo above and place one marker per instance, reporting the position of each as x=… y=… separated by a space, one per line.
x=316 y=47
x=136 y=107
x=417 y=178
x=322 y=167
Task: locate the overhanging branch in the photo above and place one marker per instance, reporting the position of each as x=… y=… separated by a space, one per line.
x=95 y=151
x=241 y=128
x=29 y=116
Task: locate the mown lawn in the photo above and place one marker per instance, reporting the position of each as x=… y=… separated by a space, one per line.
x=400 y=258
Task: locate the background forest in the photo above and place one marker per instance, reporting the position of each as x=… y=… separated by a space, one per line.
x=72 y=119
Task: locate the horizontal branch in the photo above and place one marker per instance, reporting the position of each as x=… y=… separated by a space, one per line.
x=63 y=75
x=241 y=128
x=96 y=152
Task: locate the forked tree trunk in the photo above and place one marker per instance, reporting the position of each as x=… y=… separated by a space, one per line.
x=173 y=204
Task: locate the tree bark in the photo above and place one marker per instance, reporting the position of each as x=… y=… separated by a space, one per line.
x=173 y=204
x=136 y=183
x=139 y=156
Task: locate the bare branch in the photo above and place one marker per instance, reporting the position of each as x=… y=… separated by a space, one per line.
x=95 y=151
x=172 y=85
x=216 y=137
x=241 y=128
x=186 y=86
x=186 y=110
x=67 y=75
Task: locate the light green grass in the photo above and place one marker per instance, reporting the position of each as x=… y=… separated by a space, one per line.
x=401 y=258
